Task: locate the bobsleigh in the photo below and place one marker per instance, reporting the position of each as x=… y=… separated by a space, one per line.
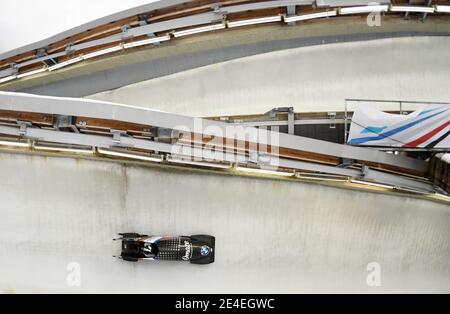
x=197 y=249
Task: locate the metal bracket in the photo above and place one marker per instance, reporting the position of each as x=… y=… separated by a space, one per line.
x=14 y=68
x=273 y=113
x=332 y=116
x=291 y=122
x=82 y=124
x=364 y=170
x=291 y=119
x=291 y=10
x=347 y=162
x=62 y=121
x=42 y=52
x=69 y=48
x=143 y=20
x=219 y=12
x=23 y=126
x=424 y=15
x=117 y=137
x=216 y=7
x=125 y=29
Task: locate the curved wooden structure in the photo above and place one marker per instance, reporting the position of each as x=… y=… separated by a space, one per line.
x=164 y=21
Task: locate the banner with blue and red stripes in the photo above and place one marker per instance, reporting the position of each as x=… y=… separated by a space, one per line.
x=428 y=127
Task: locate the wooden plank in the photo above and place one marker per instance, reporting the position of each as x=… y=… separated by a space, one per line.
x=36 y=118
x=104 y=124
x=17 y=59
x=98 y=32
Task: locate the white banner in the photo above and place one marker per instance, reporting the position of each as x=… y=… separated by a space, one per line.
x=428 y=127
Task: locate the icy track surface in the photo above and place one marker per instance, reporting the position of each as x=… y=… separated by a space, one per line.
x=271 y=236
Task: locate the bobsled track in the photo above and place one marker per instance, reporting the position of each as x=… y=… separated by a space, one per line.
x=272 y=236
x=74 y=172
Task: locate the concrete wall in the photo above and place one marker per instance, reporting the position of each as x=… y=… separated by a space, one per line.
x=272 y=236
x=315 y=78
